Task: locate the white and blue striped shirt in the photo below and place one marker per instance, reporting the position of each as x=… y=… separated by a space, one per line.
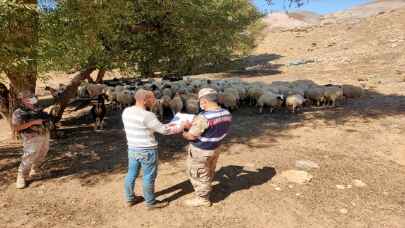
x=140 y=125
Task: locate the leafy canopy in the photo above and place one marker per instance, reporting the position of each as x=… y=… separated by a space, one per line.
x=19 y=37
x=133 y=35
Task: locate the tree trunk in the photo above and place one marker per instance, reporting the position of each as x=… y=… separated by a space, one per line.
x=4 y=104
x=19 y=82
x=100 y=75
x=24 y=35
x=70 y=92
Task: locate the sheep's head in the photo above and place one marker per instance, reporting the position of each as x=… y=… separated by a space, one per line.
x=280 y=100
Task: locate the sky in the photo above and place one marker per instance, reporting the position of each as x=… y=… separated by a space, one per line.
x=318 y=6
x=46 y=3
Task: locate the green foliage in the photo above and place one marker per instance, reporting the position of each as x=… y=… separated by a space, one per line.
x=144 y=35
x=79 y=34
x=138 y=35
x=194 y=33
x=19 y=37
x=297 y=3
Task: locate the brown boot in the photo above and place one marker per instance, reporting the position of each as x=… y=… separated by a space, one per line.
x=157 y=205
x=198 y=202
x=137 y=199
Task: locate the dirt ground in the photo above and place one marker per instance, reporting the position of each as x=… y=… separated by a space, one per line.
x=362 y=139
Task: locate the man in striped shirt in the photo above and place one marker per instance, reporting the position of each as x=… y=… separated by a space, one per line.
x=207 y=131
x=140 y=126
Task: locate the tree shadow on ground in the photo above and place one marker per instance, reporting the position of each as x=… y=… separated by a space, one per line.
x=90 y=156
x=231 y=179
x=249 y=66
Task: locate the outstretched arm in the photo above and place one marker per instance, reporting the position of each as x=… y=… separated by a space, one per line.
x=165 y=129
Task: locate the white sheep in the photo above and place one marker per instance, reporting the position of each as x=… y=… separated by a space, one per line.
x=228 y=100
x=254 y=94
x=167 y=92
x=234 y=92
x=350 y=91
x=119 y=88
x=316 y=94
x=125 y=98
x=271 y=100
x=332 y=94
x=95 y=89
x=294 y=101
x=111 y=96
x=176 y=104
x=192 y=105
x=165 y=101
x=157 y=108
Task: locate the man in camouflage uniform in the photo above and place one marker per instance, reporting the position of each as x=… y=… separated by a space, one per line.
x=206 y=132
x=34 y=135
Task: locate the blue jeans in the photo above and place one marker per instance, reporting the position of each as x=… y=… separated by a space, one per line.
x=145 y=158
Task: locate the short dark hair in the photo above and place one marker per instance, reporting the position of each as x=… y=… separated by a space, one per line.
x=210 y=97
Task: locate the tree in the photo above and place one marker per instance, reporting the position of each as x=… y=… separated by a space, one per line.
x=297 y=3
x=18 y=41
x=188 y=34
x=139 y=36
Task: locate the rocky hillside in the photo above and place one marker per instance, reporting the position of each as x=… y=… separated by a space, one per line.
x=299 y=19
x=370 y=50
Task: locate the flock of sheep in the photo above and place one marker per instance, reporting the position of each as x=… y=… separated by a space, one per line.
x=181 y=96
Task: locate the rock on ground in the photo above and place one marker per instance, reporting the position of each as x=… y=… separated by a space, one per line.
x=296 y=176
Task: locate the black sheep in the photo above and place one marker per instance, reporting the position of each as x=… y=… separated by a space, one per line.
x=4 y=100
x=98 y=112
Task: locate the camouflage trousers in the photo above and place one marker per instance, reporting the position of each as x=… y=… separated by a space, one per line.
x=201 y=166
x=35 y=150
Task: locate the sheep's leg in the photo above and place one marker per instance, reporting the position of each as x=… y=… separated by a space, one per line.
x=261 y=109
x=96 y=124
x=102 y=125
x=271 y=109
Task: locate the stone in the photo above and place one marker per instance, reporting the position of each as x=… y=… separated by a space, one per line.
x=359 y=183
x=340 y=186
x=306 y=164
x=343 y=211
x=296 y=176
x=299 y=62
